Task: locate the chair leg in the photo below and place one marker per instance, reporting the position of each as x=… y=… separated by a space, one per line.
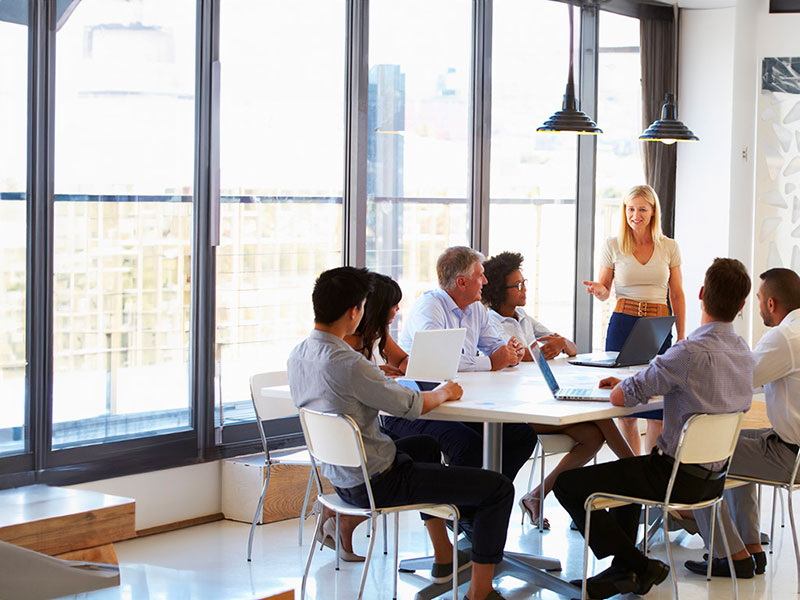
x=455 y=556
x=305 y=507
x=646 y=534
x=711 y=541
x=396 y=544
x=772 y=523
x=337 y=543
x=783 y=512
x=373 y=525
x=310 y=555
x=530 y=477
x=730 y=559
x=385 y=537
x=665 y=523
x=584 y=594
x=258 y=513
x=541 y=493
x=794 y=535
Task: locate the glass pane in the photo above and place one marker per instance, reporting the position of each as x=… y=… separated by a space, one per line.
x=418 y=137
x=619 y=163
x=282 y=161
x=533 y=175
x=13 y=227
x=123 y=219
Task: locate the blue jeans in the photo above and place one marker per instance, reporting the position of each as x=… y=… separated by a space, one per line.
x=463 y=442
x=619 y=328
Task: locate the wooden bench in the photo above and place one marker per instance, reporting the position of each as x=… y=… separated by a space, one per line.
x=66 y=523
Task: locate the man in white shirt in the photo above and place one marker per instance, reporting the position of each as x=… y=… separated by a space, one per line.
x=771 y=452
x=457 y=304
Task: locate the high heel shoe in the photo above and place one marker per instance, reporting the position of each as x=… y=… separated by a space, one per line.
x=327 y=534
x=534 y=519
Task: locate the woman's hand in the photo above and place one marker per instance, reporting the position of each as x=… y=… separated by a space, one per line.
x=552 y=345
x=391 y=371
x=597 y=289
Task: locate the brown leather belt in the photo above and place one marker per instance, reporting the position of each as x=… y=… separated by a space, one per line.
x=641 y=309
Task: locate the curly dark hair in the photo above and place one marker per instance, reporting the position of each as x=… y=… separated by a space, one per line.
x=496 y=269
x=385 y=294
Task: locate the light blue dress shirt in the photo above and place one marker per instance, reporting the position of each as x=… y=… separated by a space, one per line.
x=710 y=372
x=437 y=310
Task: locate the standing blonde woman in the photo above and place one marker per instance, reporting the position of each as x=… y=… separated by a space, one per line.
x=645 y=267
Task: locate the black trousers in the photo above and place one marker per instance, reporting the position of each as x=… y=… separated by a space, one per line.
x=463 y=442
x=614 y=531
x=484 y=498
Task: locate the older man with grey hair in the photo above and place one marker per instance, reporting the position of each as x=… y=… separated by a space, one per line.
x=457 y=304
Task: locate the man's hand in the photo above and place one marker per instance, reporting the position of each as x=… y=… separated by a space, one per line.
x=608 y=383
x=391 y=371
x=504 y=356
x=451 y=391
x=444 y=393
x=552 y=345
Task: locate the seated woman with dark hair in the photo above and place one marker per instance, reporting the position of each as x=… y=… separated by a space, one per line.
x=505 y=297
x=372 y=337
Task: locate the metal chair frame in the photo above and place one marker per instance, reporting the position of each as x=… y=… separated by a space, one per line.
x=336 y=440
x=691 y=435
x=547 y=444
x=789 y=486
x=266 y=409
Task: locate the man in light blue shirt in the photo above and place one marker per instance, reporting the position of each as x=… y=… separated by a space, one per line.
x=457 y=304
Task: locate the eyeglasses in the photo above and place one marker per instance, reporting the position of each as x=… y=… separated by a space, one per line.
x=520 y=285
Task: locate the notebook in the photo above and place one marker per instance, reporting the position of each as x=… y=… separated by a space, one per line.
x=644 y=341
x=559 y=393
x=434 y=358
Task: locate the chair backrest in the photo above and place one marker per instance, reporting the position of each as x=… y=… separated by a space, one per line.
x=266 y=406
x=709 y=438
x=332 y=439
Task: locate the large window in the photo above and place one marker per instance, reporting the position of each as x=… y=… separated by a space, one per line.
x=124 y=139
x=418 y=137
x=619 y=164
x=282 y=159
x=533 y=177
x=13 y=220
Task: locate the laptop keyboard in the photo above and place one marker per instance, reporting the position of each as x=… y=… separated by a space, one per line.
x=575 y=392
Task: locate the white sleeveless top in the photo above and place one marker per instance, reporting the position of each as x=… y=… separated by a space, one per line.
x=635 y=281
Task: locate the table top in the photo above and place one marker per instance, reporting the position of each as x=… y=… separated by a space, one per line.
x=520 y=394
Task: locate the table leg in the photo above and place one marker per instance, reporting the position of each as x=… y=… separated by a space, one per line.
x=493 y=446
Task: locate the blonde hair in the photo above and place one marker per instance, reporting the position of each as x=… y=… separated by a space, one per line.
x=625 y=236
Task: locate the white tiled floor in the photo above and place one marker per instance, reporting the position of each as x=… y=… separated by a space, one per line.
x=208 y=561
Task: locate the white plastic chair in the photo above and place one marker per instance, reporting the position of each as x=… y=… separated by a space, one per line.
x=547 y=445
x=274 y=408
x=704 y=439
x=789 y=487
x=336 y=440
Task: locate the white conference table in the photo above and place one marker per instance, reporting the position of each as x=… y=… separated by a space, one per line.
x=520 y=395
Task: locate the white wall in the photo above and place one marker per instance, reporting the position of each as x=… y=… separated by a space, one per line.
x=704 y=168
x=720 y=68
x=167 y=496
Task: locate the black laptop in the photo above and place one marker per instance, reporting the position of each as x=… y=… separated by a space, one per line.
x=644 y=341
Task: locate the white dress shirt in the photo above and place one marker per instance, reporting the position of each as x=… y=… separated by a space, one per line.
x=525 y=328
x=777 y=357
x=437 y=310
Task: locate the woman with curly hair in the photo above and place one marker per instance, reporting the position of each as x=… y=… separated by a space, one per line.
x=505 y=296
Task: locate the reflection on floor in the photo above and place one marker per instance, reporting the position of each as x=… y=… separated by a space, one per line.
x=208 y=561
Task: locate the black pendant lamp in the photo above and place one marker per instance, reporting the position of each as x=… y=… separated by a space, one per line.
x=668 y=129
x=569 y=118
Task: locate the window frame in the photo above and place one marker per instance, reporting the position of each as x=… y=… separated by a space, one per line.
x=40 y=463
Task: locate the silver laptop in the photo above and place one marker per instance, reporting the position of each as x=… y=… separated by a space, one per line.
x=434 y=357
x=642 y=344
x=559 y=393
